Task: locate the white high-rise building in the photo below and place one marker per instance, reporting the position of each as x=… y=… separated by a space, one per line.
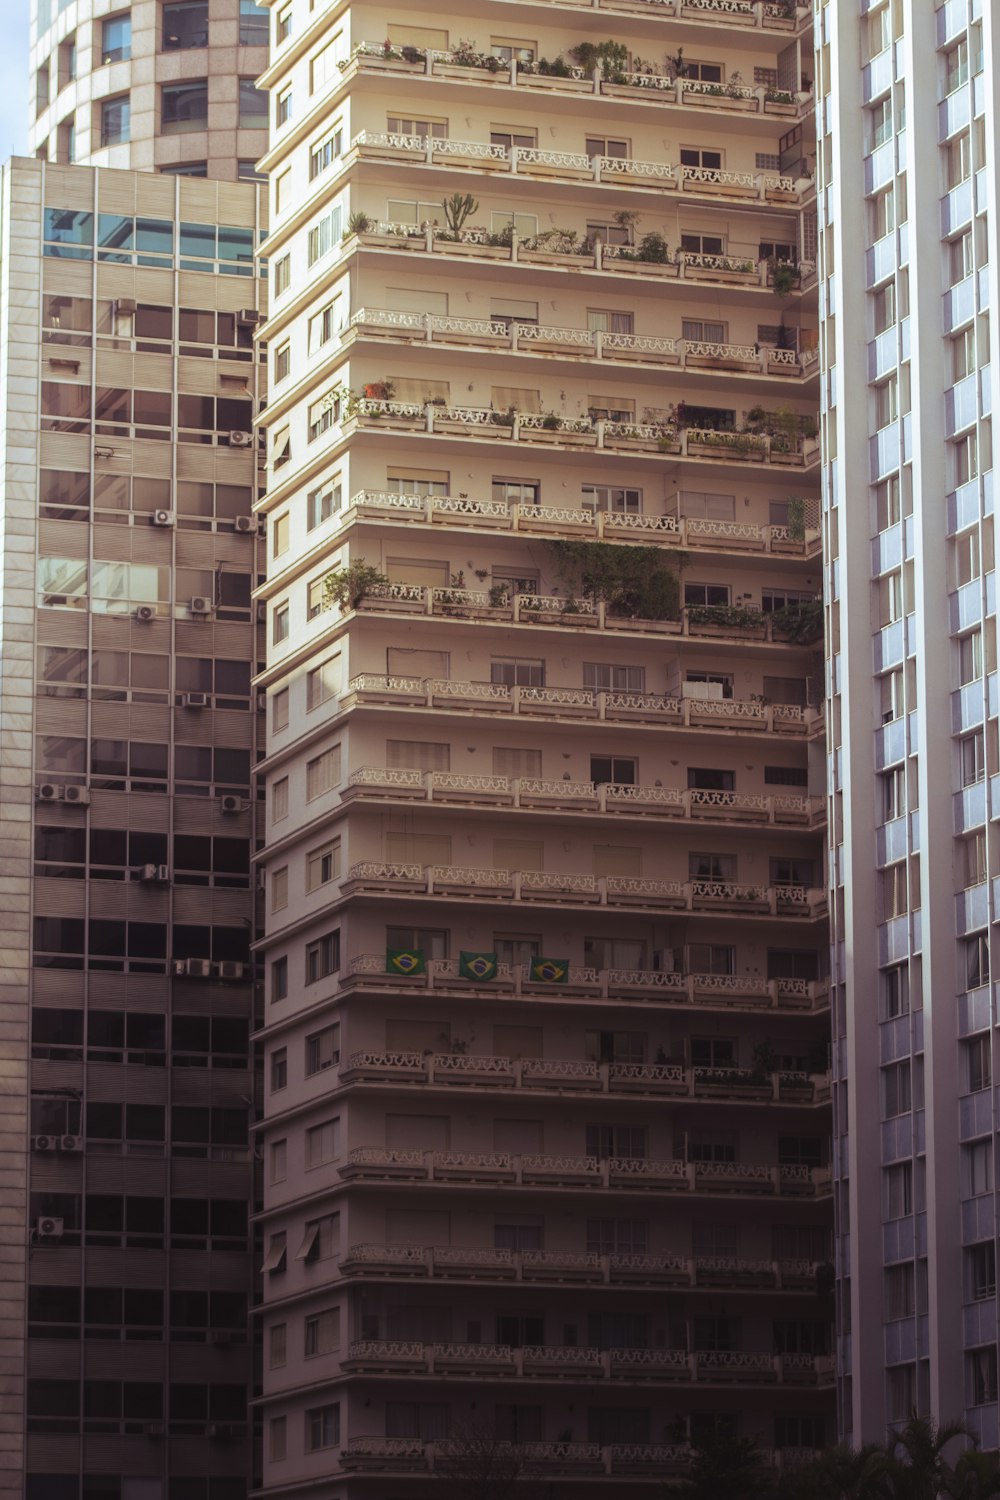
x=545 y=1046
x=908 y=195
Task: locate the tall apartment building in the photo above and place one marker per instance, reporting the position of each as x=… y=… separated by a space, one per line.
x=546 y=1101
x=909 y=130
x=129 y=303
x=158 y=85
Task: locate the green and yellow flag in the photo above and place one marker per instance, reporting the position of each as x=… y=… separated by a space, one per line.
x=478 y=966
x=405 y=961
x=550 y=970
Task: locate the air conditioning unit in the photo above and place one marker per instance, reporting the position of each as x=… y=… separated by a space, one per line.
x=230 y=804
x=146 y=612
x=195 y=700
x=193 y=968
x=245 y=524
x=230 y=969
x=71 y=1143
x=223 y=1432
x=241 y=440
x=154 y=874
x=126 y=306
x=153 y=1429
x=200 y=604
x=78 y=794
x=48 y=791
x=261 y=612
x=262 y=703
x=162 y=518
x=49 y=1229
x=44 y=1142
x=249 y=317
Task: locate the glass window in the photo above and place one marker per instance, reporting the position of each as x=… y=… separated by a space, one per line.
x=184 y=107
x=185 y=25
x=116 y=39
x=253 y=24
x=253 y=105
x=115 y=120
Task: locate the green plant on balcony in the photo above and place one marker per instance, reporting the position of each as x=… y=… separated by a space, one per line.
x=676 y=64
x=774 y=95
x=358 y=223
x=551 y=422
x=732 y=616
x=499 y=595
x=763 y=1062
x=556 y=67
x=379 y=390
x=802 y=624
x=734 y=88
x=635 y=582
x=502 y=418
x=611 y=57
x=501 y=237
x=458 y=209
x=348 y=586
x=389 y=52
x=784 y=277
x=796 y=518
x=556 y=241
x=465 y=54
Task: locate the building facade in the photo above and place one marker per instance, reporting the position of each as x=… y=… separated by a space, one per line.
x=545 y=1043
x=908 y=126
x=156 y=86
x=129 y=723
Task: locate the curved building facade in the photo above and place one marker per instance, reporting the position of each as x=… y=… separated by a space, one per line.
x=155 y=86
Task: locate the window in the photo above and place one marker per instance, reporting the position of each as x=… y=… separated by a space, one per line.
x=896 y=1090
x=956 y=66
x=958 y=159
x=606 y=145
x=525 y=226
x=282 y=274
x=977 y=960
x=970 y=657
x=279 y=799
x=961 y=256
x=322 y=957
x=972 y=754
x=323 y=414
x=898 y=1181
x=706 y=595
x=277 y=1252
x=981 y=1271
x=895 y=991
x=966 y=458
x=517 y=672
x=622 y=770
x=282 y=362
x=277 y=1428
x=322 y=865
x=253 y=23
x=886 y=402
x=184 y=107
x=900 y=1392
x=891 y=694
x=887 y=503
x=701 y=160
x=280 y=528
x=283 y=107
x=279 y=979
x=322 y=1143
x=711 y=866
x=185 y=25
x=322 y=1332
x=115 y=121
x=279 y=710
x=697 y=330
x=617 y=1236
x=323 y=773
x=279 y=889
x=316 y=598
x=883 y=214
x=893 y=793
x=280 y=623
x=972 y=862
x=977 y=1167
x=326 y=152
x=978 y=1063
x=323 y=502
x=514 y=136
x=982 y=1368
x=322 y=1050
x=324 y=324
x=323 y=64
x=116 y=39
x=609 y=677
x=713 y=1052
x=322 y=1427
x=278 y=1159
x=963 y=354
x=323 y=682
x=279 y=1069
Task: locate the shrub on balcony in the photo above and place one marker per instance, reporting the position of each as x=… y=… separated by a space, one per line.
x=651 y=248
x=556 y=67
x=611 y=57
x=733 y=616
x=802 y=624
x=458 y=209
x=784 y=277
x=796 y=518
x=635 y=582
x=348 y=586
x=358 y=223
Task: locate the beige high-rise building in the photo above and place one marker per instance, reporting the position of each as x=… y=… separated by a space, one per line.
x=545 y=1151
x=156 y=86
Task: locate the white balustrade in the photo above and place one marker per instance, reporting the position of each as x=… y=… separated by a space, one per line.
x=542 y=881
x=394 y=873
x=405 y=1256
x=475 y=150
x=699 y=261
x=386 y=1351
x=459 y=505
x=649 y=1362
x=484 y=1066
x=729 y=708
x=640 y=888
x=543 y=333
x=657 y=705
x=555 y=697
x=556 y=1071
x=561 y=791
x=390 y=1450
x=648 y=1265
x=472 y=876
x=451 y=1257
x=391 y=777
x=378 y=682
x=621 y=520
x=534 y=156
x=718 y=177
x=472 y=1161
x=557 y=516
x=734 y=1171
x=733 y=1363
x=385 y=1062
x=470 y=598
x=639 y=1170
x=739 y=91
x=730 y=531
x=458 y=783
x=703 y=349
x=480 y=692
x=652 y=979
x=580 y=1357
x=560 y=1260
x=643 y=432
x=728 y=891
x=652 y=1074
x=622 y=796
x=377 y=1156
x=384 y=500
x=737 y=984
x=625 y=166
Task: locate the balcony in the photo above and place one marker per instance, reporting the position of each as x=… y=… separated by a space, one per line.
x=580 y=1363
x=744 y=626
x=460 y=512
x=625 y=892
x=720 y=715
x=649 y=986
x=577 y=1075
x=754 y=449
x=483 y=69
x=566 y=1268
x=562 y=1459
x=641 y=350
x=572 y=168
x=455 y=789
x=580 y=252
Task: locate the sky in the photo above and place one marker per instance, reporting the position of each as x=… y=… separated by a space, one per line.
x=13 y=78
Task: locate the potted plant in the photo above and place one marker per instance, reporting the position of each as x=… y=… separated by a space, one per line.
x=359 y=223
x=378 y=390
x=348 y=586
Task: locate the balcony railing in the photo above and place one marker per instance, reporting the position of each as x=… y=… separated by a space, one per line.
x=624 y=891
x=727 y=715
x=581 y=251
x=567 y=1268
x=575 y=167
x=572 y=1075
x=483 y=68
x=370 y=414
x=744 y=626
x=677 y=1366
x=454 y=788
x=577 y=343
x=412 y=1455
x=728 y=991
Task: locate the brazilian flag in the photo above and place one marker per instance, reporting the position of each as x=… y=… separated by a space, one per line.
x=405 y=961
x=478 y=966
x=550 y=970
